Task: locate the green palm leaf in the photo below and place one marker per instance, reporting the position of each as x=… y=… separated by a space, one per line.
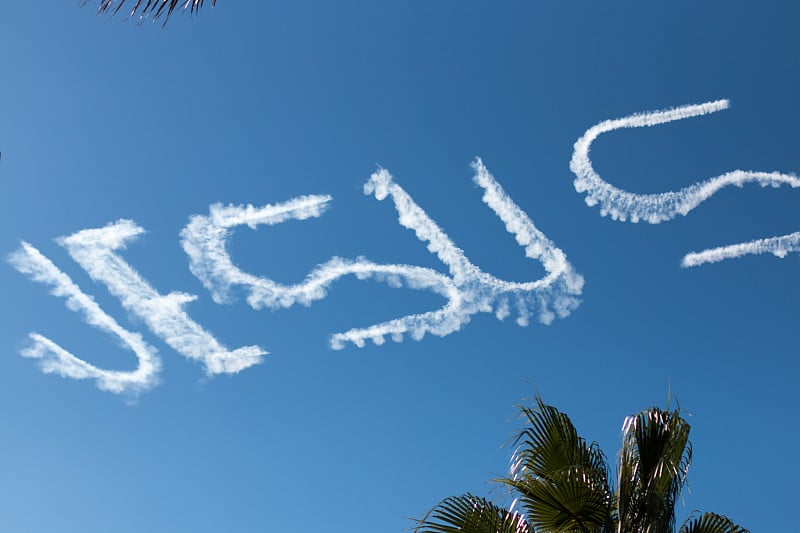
x=471 y=514
x=562 y=481
x=711 y=523
x=550 y=443
x=653 y=463
x=572 y=500
x=563 y=485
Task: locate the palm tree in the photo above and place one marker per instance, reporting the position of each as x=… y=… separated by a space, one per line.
x=143 y=9
x=563 y=483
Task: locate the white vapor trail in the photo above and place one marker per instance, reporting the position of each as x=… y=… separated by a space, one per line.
x=55 y=359
x=467 y=290
x=94 y=250
x=778 y=246
x=655 y=208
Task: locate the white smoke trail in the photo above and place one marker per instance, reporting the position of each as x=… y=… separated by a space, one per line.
x=55 y=359
x=94 y=250
x=654 y=208
x=204 y=240
x=468 y=290
x=778 y=246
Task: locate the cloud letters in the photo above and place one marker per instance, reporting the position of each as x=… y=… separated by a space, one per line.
x=466 y=289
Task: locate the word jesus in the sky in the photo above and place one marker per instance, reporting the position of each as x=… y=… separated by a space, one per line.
x=466 y=289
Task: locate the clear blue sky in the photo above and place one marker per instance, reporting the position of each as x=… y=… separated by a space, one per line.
x=260 y=102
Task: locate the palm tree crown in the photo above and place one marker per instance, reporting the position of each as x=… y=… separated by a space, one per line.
x=563 y=484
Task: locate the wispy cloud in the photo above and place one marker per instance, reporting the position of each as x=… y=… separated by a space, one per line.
x=467 y=290
x=655 y=208
x=95 y=250
x=777 y=246
x=55 y=359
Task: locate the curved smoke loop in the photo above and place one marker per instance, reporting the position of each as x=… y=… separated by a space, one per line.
x=655 y=208
x=468 y=290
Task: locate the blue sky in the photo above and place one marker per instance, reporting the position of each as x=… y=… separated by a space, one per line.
x=262 y=103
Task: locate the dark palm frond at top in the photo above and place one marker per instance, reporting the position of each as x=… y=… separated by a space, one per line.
x=154 y=9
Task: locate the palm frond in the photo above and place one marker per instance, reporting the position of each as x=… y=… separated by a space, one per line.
x=143 y=9
x=562 y=481
x=653 y=463
x=711 y=523
x=549 y=443
x=471 y=514
x=575 y=499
